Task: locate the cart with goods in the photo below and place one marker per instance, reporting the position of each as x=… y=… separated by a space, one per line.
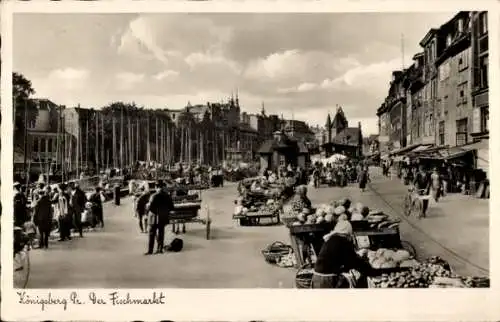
x=306 y=230
x=377 y=231
x=188 y=212
x=251 y=213
x=414 y=202
x=187 y=206
x=432 y=273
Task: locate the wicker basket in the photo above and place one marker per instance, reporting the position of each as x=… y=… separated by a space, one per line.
x=275 y=251
x=303 y=278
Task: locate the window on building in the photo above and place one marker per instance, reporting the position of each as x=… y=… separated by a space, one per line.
x=462 y=93
x=444 y=71
x=485 y=119
x=463 y=61
x=35 y=145
x=441 y=133
x=448 y=40
x=42 y=145
x=462 y=132
x=460 y=25
x=31 y=124
x=282 y=160
x=483 y=23
x=483 y=71
x=50 y=148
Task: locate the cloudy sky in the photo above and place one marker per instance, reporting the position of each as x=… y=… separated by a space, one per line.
x=297 y=64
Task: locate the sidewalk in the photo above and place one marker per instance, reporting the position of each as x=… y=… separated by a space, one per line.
x=458 y=222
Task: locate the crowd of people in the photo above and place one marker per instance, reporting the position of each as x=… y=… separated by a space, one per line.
x=64 y=208
x=341 y=173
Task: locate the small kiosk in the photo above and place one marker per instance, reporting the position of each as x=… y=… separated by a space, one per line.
x=281 y=151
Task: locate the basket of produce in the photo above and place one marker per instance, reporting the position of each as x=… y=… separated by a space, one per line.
x=388 y=260
x=275 y=251
x=421 y=275
x=303 y=278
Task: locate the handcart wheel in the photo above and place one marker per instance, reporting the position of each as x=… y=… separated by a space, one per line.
x=407 y=205
x=21 y=268
x=418 y=206
x=208 y=229
x=409 y=248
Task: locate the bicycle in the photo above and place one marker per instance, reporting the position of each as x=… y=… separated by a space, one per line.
x=414 y=202
x=21 y=262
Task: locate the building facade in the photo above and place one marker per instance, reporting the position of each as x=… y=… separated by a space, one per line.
x=480 y=97
x=454 y=100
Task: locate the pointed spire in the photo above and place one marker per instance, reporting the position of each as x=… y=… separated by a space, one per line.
x=263 y=110
x=328 y=122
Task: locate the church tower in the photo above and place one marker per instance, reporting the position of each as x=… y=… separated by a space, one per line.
x=328 y=127
x=339 y=121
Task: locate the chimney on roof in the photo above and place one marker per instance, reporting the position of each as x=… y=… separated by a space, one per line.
x=359 y=125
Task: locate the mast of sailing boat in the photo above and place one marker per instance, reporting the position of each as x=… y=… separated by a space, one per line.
x=156 y=138
x=87 y=150
x=121 y=138
x=114 y=138
x=26 y=169
x=96 y=121
x=102 y=141
x=148 y=143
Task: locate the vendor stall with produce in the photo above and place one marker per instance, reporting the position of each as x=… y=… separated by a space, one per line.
x=338 y=265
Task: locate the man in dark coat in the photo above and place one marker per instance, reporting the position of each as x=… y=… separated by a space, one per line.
x=97 y=211
x=20 y=204
x=77 y=205
x=159 y=207
x=43 y=216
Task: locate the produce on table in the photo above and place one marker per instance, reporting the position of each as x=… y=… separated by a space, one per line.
x=387 y=258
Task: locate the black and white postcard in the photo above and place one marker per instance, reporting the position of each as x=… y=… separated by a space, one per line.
x=226 y=161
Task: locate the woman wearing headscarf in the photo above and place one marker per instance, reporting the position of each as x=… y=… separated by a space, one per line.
x=300 y=200
x=338 y=265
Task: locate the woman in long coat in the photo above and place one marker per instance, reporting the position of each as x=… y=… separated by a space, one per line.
x=363 y=179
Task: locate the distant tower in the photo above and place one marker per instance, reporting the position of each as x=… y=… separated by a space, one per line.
x=263 y=110
x=237 y=99
x=328 y=126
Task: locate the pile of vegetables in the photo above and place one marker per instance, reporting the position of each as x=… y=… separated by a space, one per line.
x=433 y=273
x=270 y=206
x=307 y=218
x=387 y=258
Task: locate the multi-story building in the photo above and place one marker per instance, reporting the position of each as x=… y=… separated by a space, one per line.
x=454 y=101
x=392 y=115
x=47 y=141
x=480 y=99
x=298 y=130
x=414 y=86
x=429 y=91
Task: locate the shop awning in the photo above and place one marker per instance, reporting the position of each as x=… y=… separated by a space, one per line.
x=407 y=149
x=422 y=148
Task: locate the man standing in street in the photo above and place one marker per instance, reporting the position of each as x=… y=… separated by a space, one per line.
x=77 y=204
x=20 y=204
x=159 y=207
x=97 y=211
x=43 y=217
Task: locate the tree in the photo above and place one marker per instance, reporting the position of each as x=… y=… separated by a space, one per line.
x=22 y=89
